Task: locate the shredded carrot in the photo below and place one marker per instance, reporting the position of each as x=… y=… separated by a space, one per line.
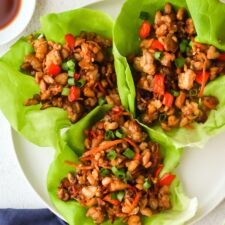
x=136 y=200
x=78 y=166
x=104 y=146
x=87 y=158
x=203 y=79
x=131 y=142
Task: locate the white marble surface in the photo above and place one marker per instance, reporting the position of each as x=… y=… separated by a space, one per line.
x=15 y=191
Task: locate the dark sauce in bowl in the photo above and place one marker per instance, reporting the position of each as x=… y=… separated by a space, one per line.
x=8 y=11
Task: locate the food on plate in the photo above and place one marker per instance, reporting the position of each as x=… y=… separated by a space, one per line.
x=173 y=69
x=118 y=175
x=76 y=76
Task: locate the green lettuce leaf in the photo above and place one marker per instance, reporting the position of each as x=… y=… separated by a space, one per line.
x=209 y=26
x=72 y=145
x=42 y=127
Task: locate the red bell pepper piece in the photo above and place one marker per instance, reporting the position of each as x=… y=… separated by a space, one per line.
x=107 y=198
x=167 y=179
x=117 y=110
x=70 y=41
x=158 y=84
x=157 y=45
x=158 y=170
x=168 y=99
x=145 y=29
x=137 y=156
x=53 y=69
x=76 y=76
x=221 y=57
x=199 y=77
x=74 y=94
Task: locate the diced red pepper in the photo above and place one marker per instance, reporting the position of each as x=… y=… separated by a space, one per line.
x=74 y=94
x=117 y=109
x=168 y=99
x=157 y=45
x=145 y=29
x=76 y=76
x=93 y=134
x=107 y=198
x=53 y=69
x=158 y=170
x=167 y=179
x=221 y=57
x=199 y=77
x=158 y=84
x=70 y=41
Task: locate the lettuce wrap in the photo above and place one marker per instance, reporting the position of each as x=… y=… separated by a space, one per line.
x=71 y=146
x=209 y=27
x=42 y=126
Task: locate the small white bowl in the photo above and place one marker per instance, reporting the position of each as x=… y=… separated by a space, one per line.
x=19 y=23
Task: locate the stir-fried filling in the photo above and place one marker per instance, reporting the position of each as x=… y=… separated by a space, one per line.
x=118 y=174
x=76 y=76
x=172 y=71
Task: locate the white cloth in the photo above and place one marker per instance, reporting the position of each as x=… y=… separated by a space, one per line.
x=15 y=191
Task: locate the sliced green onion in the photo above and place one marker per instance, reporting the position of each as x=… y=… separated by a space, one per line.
x=109 y=135
x=129 y=153
x=193 y=92
x=104 y=172
x=113 y=196
x=71 y=64
x=71 y=81
x=179 y=62
x=70 y=73
x=65 y=91
x=183 y=46
x=119 y=133
x=144 y=15
x=162 y=117
x=80 y=83
x=111 y=155
x=64 y=66
x=158 y=55
x=120 y=195
x=40 y=36
x=119 y=173
x=175 y=93
x=101 y=101
x=146 y=184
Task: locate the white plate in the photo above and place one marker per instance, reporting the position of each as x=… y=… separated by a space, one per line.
x=201 y=170
x=19 y=23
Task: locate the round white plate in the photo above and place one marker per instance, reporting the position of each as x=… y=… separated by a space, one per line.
x=201 y=170
x=19 y=23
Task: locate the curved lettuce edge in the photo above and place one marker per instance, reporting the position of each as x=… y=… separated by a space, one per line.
x=208 y=25
x=42 y=127
x=71 y=146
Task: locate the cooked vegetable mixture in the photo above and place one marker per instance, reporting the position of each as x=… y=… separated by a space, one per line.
x=118 y=174
x=172 y=70
x=76 y=76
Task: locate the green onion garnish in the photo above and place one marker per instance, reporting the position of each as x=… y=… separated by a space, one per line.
x=70 y=73
x=71 y=65
x=129 y=153
x=146 y=184
x=65 y=91
x=111 y=155
x=109 y=135
x=119 y=173
x=175 y=93
x=40 y=36
x=183 y=46
x=162 y=117
x=158 y=55
x=101 y=101
x=119 y=133
x=144 y=15
x=193 y=92
x=80 y=83
x=113 y=196
x=179 y=62
x=64 y=66
x=71 y=81
x=104 y=172
x=120 y=195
